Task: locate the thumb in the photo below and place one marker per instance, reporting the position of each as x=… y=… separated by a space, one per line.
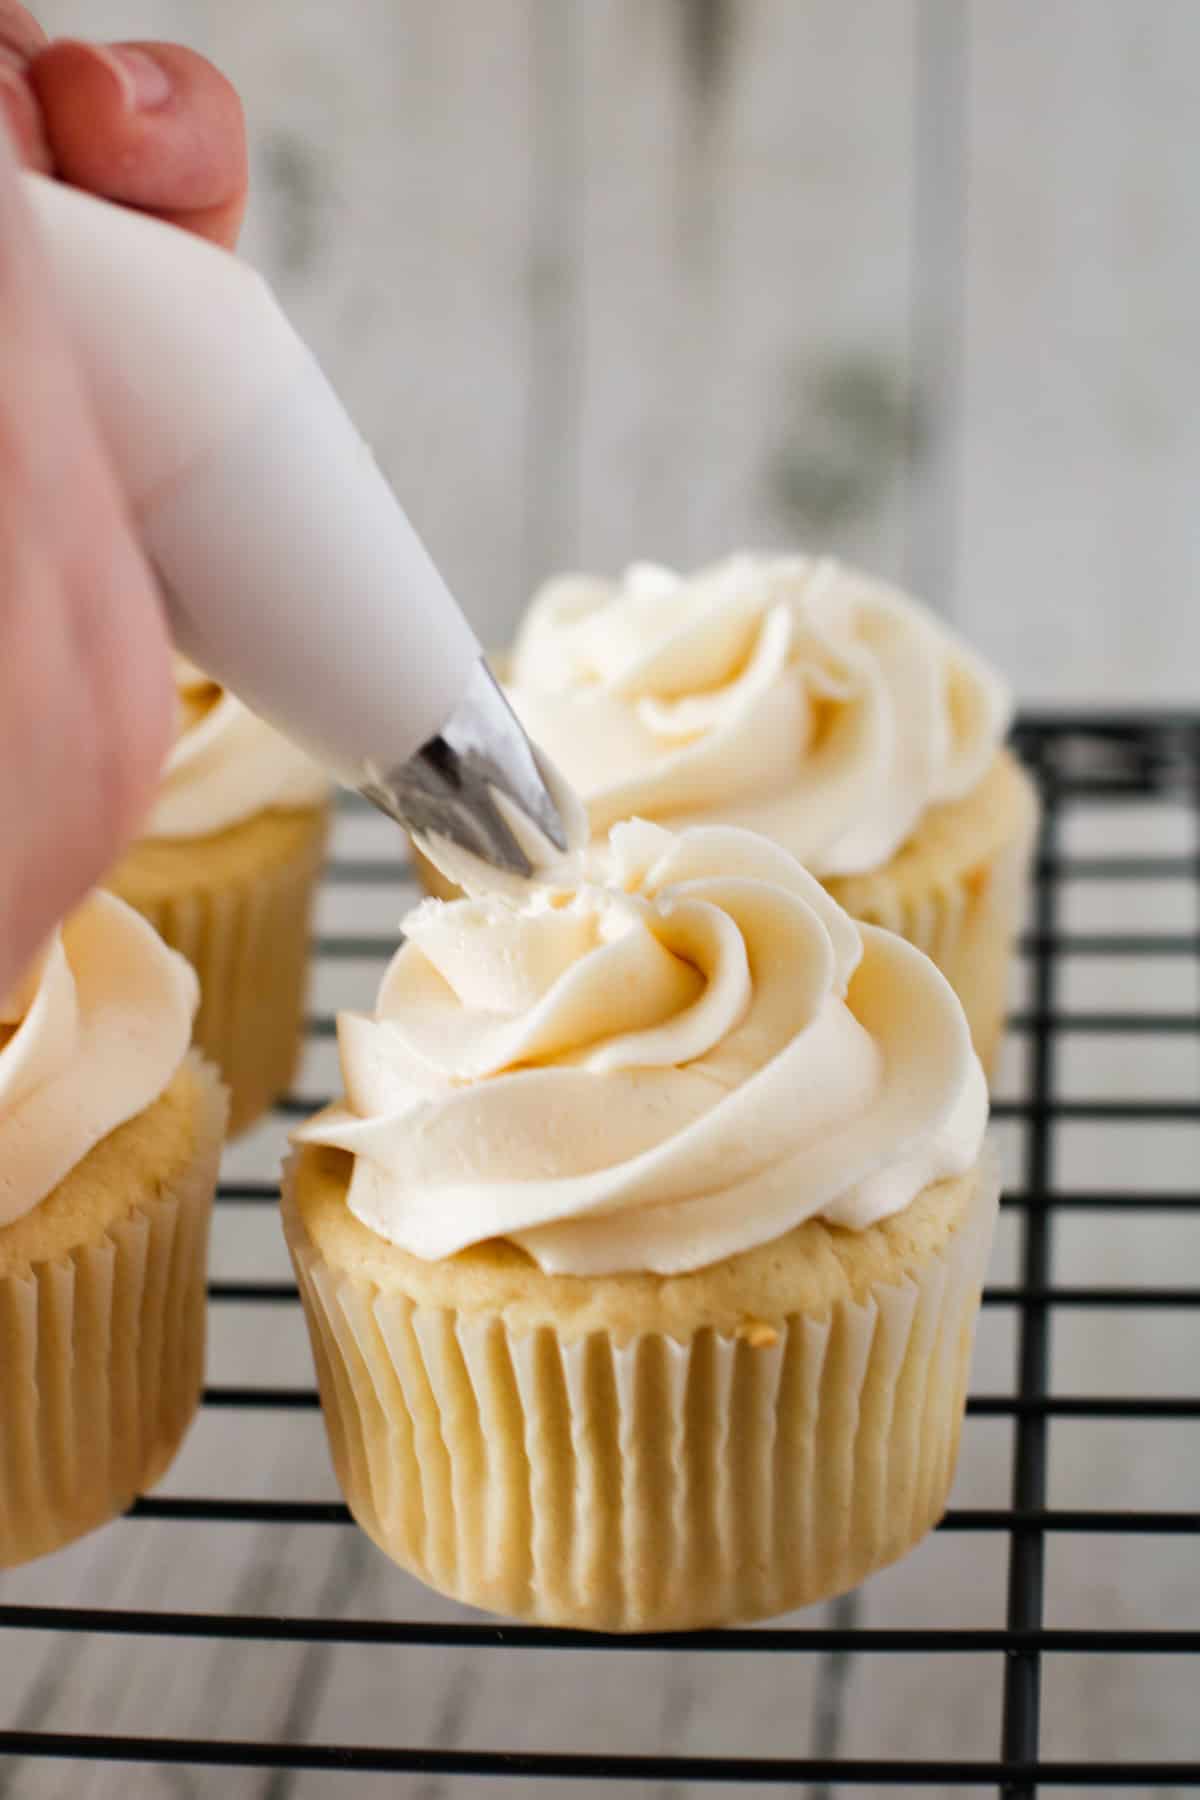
x=151 y=125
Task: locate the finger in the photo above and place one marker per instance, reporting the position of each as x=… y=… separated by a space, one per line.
x=85 y=693
x=19 y=110
x=20 y=34
x=152 y=125
x=20 y=38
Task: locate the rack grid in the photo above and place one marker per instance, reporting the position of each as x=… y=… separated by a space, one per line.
x=1081 y=762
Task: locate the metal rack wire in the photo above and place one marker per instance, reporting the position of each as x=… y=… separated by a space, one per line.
x=1132 y=760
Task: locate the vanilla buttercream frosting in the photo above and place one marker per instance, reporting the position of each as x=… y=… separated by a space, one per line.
x=652 y=1071
x=90 y=1037
x=226 y=764
x=786 y=694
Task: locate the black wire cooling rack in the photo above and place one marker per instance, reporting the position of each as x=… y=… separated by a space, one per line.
x=1107 y=783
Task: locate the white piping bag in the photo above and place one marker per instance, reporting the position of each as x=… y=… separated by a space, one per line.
x=289 y=570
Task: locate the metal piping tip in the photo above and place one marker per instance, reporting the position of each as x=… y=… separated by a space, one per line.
x=449 y=788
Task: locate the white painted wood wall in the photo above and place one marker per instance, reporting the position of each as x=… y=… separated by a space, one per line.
x=915 y=279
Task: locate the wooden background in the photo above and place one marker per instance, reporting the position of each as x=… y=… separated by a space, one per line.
x=915 y=279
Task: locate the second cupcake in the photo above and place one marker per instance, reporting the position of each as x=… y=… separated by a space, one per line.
x=225 y=871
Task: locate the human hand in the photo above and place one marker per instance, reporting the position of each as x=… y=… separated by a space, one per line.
x=86 y=699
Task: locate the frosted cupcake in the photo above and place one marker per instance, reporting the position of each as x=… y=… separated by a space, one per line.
x=225 y=872
x=641 y=1260
x=110 y=1134
x=805 y=701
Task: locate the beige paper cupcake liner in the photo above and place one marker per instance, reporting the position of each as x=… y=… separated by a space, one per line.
x=648 y=1485
x=103 y=1357
x=246 y=935
x=967 y=925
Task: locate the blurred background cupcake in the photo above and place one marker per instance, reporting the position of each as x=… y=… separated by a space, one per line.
x=225 y=872
x=801 y=699
x=110 y=1135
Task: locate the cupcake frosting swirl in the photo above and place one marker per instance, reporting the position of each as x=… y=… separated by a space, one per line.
x=653 y=1072
x=226 y=764
x=785 y=694
x=89 y=1038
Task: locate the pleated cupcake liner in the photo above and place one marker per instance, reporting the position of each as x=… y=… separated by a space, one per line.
x=965 y=923
x=103 y=1353
x=651 y=1484
x=248 y=942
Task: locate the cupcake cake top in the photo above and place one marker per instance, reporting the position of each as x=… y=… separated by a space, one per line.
x=786 y=694
x=89 y=1038
x=226 y=764
x=653 y=1070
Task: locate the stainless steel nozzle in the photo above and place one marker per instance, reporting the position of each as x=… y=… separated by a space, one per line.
x=449 y=787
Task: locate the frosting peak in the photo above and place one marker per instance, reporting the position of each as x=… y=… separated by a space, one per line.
x=89 y=1038
x=226 y=764
x=788 y=694
x=654 y=1070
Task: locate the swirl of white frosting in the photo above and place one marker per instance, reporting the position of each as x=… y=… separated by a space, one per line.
x=785 y=694
x=90 y=1037
x=226 y=764
x=653 y=1073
